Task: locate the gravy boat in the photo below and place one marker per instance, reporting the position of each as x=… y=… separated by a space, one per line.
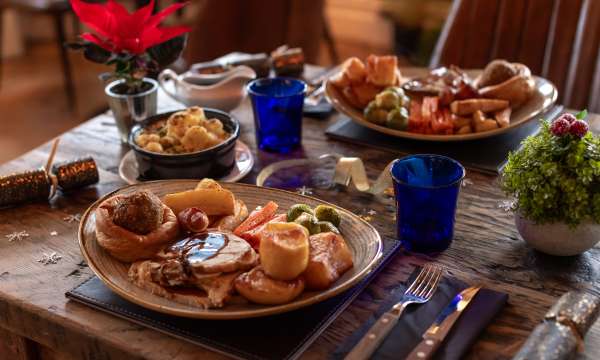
x=223 y=91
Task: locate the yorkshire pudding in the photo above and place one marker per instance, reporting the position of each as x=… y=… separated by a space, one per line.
x=125 y=244
x=506 y=81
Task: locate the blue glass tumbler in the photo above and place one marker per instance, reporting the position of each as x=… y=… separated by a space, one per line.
x=426 y=189
x=277 y=104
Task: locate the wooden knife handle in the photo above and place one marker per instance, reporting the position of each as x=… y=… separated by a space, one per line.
x=373 y=338
x=425 y=350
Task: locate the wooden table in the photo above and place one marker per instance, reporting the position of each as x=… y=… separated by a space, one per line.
x=35 y=316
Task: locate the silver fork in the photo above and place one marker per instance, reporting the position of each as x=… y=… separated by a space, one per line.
x=419 y=292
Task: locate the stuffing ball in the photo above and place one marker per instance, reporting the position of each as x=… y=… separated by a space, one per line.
x=141 y=212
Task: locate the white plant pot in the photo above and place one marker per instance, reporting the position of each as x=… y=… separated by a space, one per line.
x=558 y=238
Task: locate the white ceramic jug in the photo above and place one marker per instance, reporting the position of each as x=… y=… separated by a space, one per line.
x=223 y=91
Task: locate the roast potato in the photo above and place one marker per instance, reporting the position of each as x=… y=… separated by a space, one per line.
x=259 y=288
x=329 y=258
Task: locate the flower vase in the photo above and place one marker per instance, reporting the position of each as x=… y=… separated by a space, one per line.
x=129 y=109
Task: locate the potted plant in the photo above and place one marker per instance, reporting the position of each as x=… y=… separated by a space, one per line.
x=137 y=47
x=555 y=181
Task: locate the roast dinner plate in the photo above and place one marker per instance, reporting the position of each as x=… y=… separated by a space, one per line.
x=362 y=239
x=129 y=172
x=543 y=98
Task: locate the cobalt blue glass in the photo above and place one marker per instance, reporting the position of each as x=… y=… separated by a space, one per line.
x=426 y=189
x=277 y=104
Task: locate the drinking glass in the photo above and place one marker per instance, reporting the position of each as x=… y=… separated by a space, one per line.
x=277 y=104
x=426 y=189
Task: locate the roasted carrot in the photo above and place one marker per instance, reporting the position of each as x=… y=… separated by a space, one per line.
x=257 y=217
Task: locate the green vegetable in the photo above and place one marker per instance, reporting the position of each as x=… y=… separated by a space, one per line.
x=326 y=226
x=555 y=179
x=397 y=119
x=309 y=222
x=396 y=89
x=375 y=114
x=297 y=210
x=387 y=99
x=405 y=101
x=327 y=213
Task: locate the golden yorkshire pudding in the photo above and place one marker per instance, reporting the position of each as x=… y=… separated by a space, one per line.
x=134 y=227
x=506 y=81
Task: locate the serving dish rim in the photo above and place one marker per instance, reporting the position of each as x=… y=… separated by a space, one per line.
x=217 y=314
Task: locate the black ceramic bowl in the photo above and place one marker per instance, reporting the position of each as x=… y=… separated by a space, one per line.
x=213 y=162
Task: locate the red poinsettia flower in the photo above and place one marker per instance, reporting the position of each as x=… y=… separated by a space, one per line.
x=119 y=31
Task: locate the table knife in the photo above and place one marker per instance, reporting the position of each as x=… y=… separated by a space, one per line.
x=434 y=336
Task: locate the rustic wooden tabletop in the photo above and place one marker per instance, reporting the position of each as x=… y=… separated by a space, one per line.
x=35 y=316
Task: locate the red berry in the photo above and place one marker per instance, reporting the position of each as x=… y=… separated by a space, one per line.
x=569 y=117
x=560 y=127
x=579 y=128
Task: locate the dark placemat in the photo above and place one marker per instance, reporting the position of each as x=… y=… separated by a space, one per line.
x=488 y=155
x=283 y=336
x=416 y=319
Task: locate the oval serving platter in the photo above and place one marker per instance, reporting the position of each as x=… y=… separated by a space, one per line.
x=362 y=239
x=543 y=98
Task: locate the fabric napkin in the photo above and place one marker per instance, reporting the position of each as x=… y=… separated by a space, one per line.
x=417 y=319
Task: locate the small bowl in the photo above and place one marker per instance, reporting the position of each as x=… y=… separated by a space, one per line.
x=213 y=162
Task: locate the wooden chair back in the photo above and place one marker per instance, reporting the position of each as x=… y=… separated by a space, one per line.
x=557 y=39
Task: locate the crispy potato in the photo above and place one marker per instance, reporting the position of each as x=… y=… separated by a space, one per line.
x=381 y=70
x=198 y=138
x=365 y=93
x=460 y=121
x=211 y=201
x=503 y=117
x=154 y=147
x=329 y=259
x=350 y=96
x=340 y=80
x=230 y=222
x=468 y=107
x=208 y=184
x=486 y=125
x=478 y=117
x=259 y=288
x=355 y=70
x=464 y=130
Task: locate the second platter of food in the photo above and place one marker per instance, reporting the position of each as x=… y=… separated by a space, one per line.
x=224 y=251
x=447 y=104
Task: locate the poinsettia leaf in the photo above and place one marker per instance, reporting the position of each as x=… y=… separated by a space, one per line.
x=169 y=51
x=96 y=53
x=581 y=115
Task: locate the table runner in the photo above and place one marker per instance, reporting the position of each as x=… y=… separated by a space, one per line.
x=257 y=339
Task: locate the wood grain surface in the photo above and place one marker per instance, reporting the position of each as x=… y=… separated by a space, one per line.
x=487 y=249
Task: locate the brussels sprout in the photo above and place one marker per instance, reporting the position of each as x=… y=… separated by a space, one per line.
x=387 y=99
x=398 y=119
x=297 y=210
x=326 y=226
x=404 y=101
x=374 y=114
x=396 y=89
x=327 y=213
x=309 y=222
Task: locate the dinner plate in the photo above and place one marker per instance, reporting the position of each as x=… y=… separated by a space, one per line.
x=362 y=239
x=543 y=98
x=128 y=168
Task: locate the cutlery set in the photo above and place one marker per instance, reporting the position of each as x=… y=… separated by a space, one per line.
x=420 y=291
